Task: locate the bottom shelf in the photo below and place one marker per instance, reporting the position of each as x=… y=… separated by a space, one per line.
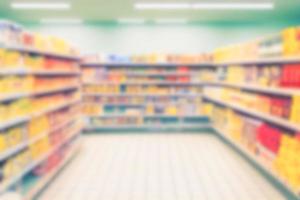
x=42 y=182
x=154 y=127
x=258 y=162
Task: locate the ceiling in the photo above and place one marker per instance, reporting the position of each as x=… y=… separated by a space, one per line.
x=109 y=10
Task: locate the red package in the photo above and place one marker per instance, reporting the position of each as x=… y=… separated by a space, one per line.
x=27 y=39
x=269 y=137
x=183 y=69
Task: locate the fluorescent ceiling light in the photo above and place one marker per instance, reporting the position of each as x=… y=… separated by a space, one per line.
x=41 y=5
x=234 y=6
x=131 y=21
x=170 y=6
x=61 y=21
x=206 y=6
x=171 y=21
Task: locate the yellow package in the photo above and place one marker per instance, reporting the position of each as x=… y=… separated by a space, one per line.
x=150 y=109
x=295 y=110
x=208 y=109
x=2 y=58
x=3 y=142
x=2 y=86
x=38 y=126
x=40 y=42
x=13 y=59
x=3 y=113
x=8 y=171
x=291 y=41
x=34 y=62
x=39 y=148
x=59 y=45
x=171 y=110
x=27 y=84
x=15 y=136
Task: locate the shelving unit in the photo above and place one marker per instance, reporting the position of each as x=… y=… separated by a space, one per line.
x=229 y=94
x=31 y=158
x=260 y=115
x=41 y=184
x=152 y=65
x=261 y=61
x=255 y=159
x=172 y=84
x=257 y=88
x=40 y=52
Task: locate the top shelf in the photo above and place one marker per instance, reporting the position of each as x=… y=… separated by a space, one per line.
x=40 y=52
x=262 y=61
x=119 y=65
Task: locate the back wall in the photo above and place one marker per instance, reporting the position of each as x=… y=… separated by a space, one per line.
x=136 y=39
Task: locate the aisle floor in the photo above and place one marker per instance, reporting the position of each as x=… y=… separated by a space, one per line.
x=158 y=167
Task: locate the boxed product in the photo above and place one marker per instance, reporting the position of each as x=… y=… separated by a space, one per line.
x=9 y=33
x=249 y=133
x=287 y=164
x=271 y=46
x=295 y=110
x=269 y=137
x=291 y=39
x=12 y=59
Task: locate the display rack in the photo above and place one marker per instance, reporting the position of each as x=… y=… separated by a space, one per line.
x=234 y=100
x=257 y=114
x=257 y=161
x=161 y=90
x=257 y=88
x=260 y=61
x=45 y=138
x=36 y=51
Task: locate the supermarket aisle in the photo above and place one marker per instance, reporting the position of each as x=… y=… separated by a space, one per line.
x=159 y=167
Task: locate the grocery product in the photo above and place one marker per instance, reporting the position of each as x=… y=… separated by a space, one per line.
x=287 y=163
x=282 y=44
x=291 y=41
x=149 y=58
x=11 y=34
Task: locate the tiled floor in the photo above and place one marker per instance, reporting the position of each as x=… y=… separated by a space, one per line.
x=158 y=167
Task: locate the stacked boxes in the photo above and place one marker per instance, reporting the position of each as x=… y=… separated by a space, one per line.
x=287 y=164
x=291 y=37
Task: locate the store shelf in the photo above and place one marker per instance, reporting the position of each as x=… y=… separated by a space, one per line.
x=41 y=52
x=14 y=71
x=42 y=183
x=262 y=61
x=55 y=90
x=24 y=71
x=134 y=65
x=123 y=104
x=54 y=108
x=140 y=95
x=267 y=117
x=256 y=88
x=56 y=73
x=145 y=116
x=148 y=126
x=11 y=97
x=155 y=74
x=257 y=161
x=23 y=145
x=146 y=83
x=13 y=122
x=13 y=151
x=20 y=120
x=44 y=92
x=137 y=104
x=7 y=184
